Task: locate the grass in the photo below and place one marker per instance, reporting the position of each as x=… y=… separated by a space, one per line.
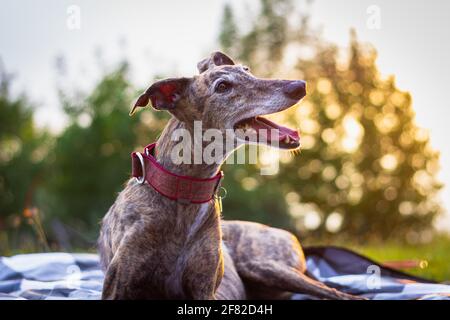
x=434 y=256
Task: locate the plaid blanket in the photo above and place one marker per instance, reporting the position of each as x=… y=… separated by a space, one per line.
x=78 y=276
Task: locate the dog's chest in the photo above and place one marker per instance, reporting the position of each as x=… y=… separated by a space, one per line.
x=197 y=256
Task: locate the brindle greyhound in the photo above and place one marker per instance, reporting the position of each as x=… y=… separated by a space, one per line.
x=153 y=247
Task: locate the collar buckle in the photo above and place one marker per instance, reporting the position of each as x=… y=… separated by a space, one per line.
x=141 y=179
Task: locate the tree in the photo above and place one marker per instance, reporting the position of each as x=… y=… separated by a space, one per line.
x=23 y=149
x=91 y=158
x=228 y=35
x=366 y=168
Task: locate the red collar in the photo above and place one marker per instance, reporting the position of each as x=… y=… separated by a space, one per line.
x=185 y=189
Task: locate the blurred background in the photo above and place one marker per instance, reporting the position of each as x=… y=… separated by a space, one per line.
x=373 y=125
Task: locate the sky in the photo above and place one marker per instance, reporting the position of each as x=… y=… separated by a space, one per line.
x=171 y=36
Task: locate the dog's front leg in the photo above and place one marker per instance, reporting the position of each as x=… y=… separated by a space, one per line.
x=128 y=277
x=231 y=287
x=114 y=287
x=204 y=282
x=203 y=273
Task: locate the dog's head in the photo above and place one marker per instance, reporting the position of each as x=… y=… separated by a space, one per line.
x=227 y=96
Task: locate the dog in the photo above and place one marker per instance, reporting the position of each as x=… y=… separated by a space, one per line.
x=154 y=245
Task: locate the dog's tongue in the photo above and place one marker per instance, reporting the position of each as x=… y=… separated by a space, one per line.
x=283 y=132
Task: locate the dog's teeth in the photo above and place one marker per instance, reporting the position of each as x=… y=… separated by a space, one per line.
x=287 y=139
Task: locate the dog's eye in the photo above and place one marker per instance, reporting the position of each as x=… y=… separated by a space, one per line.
x=246 y=68
x=223 y=86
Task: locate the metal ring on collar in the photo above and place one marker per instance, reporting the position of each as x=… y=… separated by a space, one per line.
x=141 y=180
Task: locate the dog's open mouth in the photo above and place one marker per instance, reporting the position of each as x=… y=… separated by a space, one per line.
x=261 y=130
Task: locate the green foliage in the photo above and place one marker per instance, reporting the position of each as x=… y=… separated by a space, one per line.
x=228 y=34
x=68 y=182
x=91 y=158
x=22 y=152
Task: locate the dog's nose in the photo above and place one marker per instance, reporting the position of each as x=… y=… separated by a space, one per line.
x=295 y=89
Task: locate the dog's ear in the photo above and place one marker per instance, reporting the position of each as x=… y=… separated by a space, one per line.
x=221 y=59
x=216 y=59
x=163 y=94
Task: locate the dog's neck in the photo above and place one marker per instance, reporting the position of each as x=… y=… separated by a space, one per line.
x=165 y=148
x=194 y=215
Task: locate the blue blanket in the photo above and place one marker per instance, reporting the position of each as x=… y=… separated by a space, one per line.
x=78 y=276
